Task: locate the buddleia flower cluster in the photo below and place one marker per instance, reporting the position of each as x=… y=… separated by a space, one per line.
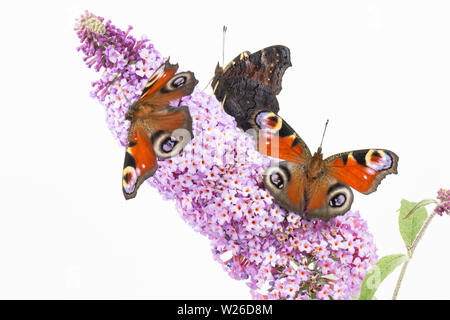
x=125 y=64
x=216 y=184
x=443 y=205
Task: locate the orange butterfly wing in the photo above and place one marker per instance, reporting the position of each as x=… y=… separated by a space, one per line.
x=362 y=170
x=169 y=119
x=140 y=160
x=164 y=86
x=275 y=138
x=157 y=129
x=286 y=182
x=317 y=194
x=312 y=185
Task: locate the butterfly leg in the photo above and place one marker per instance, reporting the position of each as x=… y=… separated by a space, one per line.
x=223 y=101
x=215 y=88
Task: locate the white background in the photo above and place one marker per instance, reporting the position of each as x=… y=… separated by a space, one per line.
x=379 y=70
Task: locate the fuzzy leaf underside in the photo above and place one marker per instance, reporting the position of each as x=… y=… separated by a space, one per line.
x=410 y=227
x=378 y=273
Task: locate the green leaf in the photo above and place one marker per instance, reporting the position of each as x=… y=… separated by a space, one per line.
x=419 y=205
x=378 y=273
x=410 y=220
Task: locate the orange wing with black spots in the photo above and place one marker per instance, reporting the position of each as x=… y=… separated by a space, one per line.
x=275 y=138
x=286 y=181
x=140 y=160
x=157 y=130
x=329 y=194
x=363 y=170
x=164 y=86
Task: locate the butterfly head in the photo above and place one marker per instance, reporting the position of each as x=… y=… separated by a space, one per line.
x=218 y=73
x=316 y=163
x=217 y=81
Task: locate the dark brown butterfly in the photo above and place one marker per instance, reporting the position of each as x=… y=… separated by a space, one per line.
x=308 y=184
x=251 y=82
x=157 y=130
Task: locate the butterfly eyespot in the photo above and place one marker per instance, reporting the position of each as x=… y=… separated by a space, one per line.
x=178 y=82
x=129 y=179
x=168 y=144
x=378 y=160
x=277 y=180
x=338 y=200
x=181 y=81
x=268 y=121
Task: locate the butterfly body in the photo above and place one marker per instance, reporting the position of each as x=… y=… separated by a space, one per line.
x=309 y=184
x=251 y=82
x=157 y=130
x=315 y=166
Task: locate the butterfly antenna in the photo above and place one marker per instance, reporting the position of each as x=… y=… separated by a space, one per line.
x=207 y=85
x=223 y=45
x=224 y=31
x=323 y=136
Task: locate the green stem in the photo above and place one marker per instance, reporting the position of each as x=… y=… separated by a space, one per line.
x=400 y=278
x=411 y=250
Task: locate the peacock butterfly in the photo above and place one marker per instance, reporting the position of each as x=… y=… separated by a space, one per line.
x=308 y=184
x=251 y=82
x=157 y=130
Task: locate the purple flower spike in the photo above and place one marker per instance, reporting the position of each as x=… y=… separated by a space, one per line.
x=444 y=202
x=125 y=63
x=217 y=187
